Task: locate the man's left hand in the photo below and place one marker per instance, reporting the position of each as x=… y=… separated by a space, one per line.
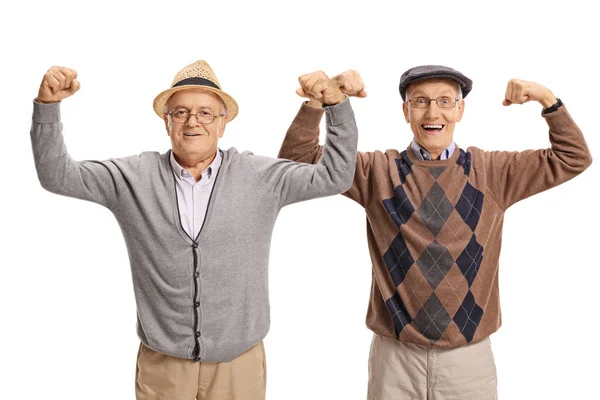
x=519 y=92
x=317 y=86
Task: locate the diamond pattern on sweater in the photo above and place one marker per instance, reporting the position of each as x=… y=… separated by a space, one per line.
x=470 y=260
x=404 y=166
x=469 y=205
x=399 y=207
x=435 y=209
x=433 y=253
x=398 y=312
x=434 y=263
x=436 y=171
x=433 y=319
x=468 y=316
x=398 y=259
x=464 y=160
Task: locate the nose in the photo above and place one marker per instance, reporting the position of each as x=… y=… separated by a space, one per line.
x=192 y=121
x=433 y=110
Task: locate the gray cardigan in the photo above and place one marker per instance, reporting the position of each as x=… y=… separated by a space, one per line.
x=204 y=298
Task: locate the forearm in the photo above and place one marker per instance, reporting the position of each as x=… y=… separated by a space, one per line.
x=301 y=141
x=567 y=141
x=513 y=176
x=332 y=174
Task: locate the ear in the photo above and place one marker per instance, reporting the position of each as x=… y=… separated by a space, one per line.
x=166 y=119
x=461 y=109
x=405 y=110
x=223 y=125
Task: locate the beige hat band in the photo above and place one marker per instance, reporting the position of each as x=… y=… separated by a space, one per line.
x=198 y=82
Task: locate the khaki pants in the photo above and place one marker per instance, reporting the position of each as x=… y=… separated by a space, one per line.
x=162 y=377
x=407 y=371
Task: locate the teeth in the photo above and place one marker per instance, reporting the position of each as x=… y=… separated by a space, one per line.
x=433 y=126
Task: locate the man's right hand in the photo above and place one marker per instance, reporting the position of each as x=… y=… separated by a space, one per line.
x=349 y=82
x=58 y=83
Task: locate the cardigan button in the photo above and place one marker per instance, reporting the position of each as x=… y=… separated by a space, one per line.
x=196 y=274
x=198 y=334
x=195 y=245
x=197 y=304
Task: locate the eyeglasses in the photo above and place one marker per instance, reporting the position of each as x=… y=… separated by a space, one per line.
x=204 y=117
x=424 y=102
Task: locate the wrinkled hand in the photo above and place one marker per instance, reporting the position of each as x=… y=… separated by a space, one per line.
x=58 y=84
x=519 y=92
x=351 y=83
x=318 y=87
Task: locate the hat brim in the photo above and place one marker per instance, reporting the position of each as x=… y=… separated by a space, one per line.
x=464 y=82
x=231 y=106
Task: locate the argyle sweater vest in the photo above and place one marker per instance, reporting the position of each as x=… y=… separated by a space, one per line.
x=434 y=228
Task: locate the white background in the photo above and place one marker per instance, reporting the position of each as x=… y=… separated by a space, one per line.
x=66 y=299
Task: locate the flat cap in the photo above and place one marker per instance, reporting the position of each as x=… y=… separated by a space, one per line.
x=424 y=72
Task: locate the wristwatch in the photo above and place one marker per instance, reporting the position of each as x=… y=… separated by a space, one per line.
x=553 y=107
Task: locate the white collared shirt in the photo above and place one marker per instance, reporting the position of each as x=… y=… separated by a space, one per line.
x=423 y=154
x=192 y=196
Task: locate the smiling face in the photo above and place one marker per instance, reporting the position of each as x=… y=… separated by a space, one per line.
x=433 y=127
x=191 y=140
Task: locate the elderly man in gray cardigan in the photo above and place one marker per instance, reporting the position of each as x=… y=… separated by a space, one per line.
x=197 y=222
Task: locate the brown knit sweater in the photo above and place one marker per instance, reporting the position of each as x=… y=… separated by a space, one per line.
x=435 y=227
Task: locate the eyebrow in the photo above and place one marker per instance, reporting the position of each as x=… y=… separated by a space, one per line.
x=189 y=109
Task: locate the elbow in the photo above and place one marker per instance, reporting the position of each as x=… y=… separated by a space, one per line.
x=48 y=185
x=344 y=181
x=50 y=181
x=584 y=163
x=588 y=161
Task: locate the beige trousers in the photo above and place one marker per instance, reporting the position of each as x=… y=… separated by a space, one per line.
x=407 y=371
x=163 y=377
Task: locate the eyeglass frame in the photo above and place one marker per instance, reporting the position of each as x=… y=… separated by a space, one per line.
x=215 y=116
x=456 y=100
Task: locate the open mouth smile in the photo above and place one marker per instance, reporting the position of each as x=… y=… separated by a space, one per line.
x=433 y=128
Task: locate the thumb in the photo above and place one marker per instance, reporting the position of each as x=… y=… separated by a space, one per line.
x=362 y=93
x=75 y=86
x=506 y=102
x=300 y=92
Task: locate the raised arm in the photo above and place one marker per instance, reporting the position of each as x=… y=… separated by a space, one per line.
x=301 y=142
x=332 y=174
x=514 y=176
x=98 y=181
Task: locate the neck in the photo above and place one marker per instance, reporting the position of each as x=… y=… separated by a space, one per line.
x=194 y=164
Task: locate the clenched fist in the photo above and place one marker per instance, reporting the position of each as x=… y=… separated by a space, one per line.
x=317 y=86
x=519 y=92
x=58 y=83
x=351 y=83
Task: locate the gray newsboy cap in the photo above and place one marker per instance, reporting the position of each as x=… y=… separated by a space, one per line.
x=423 y=72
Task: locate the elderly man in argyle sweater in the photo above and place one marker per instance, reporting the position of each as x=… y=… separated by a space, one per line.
x=435 y=213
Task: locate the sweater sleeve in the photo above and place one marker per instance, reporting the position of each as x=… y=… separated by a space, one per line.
x=301 y=144
x=292 y=182
x=514 y=176
x=101 y=182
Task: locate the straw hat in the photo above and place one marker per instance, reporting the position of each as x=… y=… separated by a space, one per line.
x=194 y=76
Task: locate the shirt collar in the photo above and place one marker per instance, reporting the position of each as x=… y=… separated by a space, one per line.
x=180 y=172
x=423 y=154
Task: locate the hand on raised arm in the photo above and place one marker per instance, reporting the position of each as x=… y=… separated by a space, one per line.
x=351 y=83
x=519 y=92
x=58 y=84
x=318 y=87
